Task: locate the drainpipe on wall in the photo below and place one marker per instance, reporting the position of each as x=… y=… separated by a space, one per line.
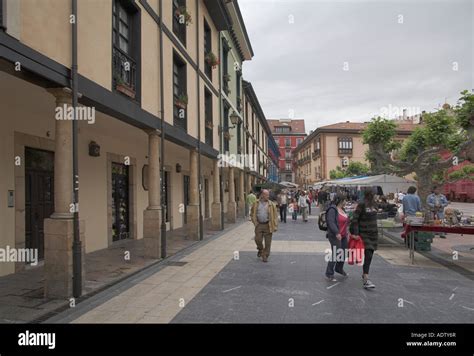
x=201 y=220
x=221 y=143
x=76 y=246
x=162 y=143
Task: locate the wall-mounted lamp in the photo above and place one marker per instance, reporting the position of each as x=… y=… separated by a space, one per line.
x=178 y=168
x=234 y=119
x=94 y=149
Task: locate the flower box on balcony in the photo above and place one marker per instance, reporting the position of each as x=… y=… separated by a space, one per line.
x=182 y=11
x=125 y=89
x=181 y=101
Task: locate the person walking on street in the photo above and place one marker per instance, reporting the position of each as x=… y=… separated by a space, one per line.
x=264 y=218
x=338 y=225
x=437 y=202
x=303 y=205
x=283 y=204
x=364 y=225
x=411 y=204
x=251 y=199
x=293 y=209
x=310 y=198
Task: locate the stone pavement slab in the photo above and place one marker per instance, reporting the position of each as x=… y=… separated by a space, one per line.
x=284 y=292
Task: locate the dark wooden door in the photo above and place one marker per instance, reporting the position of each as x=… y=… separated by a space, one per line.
x=39 y=196
x=120 y=202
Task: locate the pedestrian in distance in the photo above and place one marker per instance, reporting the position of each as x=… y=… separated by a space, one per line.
x=303 y=205
x=283 y=205
x=293 y=209
x=310 y=199
x=411 y=205
x=436 y=203
x=338 y=225
x=264 y=217
x=364 y=225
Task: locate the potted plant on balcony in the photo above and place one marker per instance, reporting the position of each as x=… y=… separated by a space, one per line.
x=212 y=60
x=183 y=14
x=181 y=101
x=226 y=77
x=209 y=125
x=123 y=87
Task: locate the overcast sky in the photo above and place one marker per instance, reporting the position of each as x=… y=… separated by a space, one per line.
x=398 y=53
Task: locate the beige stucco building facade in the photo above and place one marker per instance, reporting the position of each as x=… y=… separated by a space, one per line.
x=132 y=87
x=336 y=145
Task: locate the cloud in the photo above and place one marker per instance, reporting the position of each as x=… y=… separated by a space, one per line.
x=399 y=53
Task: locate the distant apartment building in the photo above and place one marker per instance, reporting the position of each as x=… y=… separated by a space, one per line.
x=335 y=145
x=288 y=134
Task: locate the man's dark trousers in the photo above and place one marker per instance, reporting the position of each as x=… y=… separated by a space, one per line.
x=283 y=212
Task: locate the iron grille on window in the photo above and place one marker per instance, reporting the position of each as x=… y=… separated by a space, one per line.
x=124 y=67
x=179 y=93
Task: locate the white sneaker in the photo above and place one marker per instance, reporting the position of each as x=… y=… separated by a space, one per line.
x=368 y=284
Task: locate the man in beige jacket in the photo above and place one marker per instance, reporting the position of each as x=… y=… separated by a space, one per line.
x=264 y=217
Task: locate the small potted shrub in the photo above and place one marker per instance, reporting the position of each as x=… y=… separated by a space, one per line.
x=212 y=60
x=182 y=11
x=181 y=101
x=123 y=87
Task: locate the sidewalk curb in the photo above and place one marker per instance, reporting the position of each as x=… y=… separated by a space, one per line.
x=64 y=314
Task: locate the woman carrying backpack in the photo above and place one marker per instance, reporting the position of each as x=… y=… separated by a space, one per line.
x=337 y=226
x=364 y=225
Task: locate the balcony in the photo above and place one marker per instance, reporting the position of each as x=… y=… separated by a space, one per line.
x=316 y=154
x=345 y=151
x=124 y=73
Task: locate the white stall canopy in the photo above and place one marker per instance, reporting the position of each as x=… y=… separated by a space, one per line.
x=388 y=183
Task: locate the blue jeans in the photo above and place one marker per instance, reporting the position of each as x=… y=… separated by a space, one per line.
x=335 y=265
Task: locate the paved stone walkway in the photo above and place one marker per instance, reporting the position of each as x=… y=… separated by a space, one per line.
x=222 y=281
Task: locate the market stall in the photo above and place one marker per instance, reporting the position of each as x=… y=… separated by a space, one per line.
x=411 y=229
x=388 y=183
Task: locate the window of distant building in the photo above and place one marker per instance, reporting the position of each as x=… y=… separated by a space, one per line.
x=345 y=145
x=288 y=166
x=298 y=141
x=287 y=154
x=282 y=129
x=287 y=142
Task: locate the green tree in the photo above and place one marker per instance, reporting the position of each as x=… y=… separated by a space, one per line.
x=420 y=153
x=352 y=170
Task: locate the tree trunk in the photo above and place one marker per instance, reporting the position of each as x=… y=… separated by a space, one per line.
x=425 y=184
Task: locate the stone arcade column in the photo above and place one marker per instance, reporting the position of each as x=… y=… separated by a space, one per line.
x=59 y=228
x=241 y=194
x=152 y=214
x=231 y=205
x=216 y=205
x=192 y=225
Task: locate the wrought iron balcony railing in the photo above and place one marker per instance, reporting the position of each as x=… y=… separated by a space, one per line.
x=124 y=73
